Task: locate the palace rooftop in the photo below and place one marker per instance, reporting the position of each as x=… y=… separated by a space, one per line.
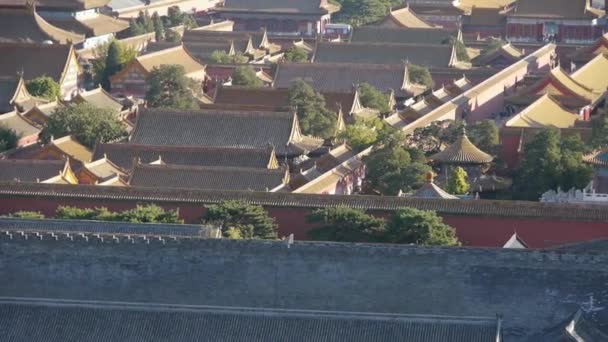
x=408 y=36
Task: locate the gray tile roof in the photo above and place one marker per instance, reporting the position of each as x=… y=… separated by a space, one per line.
x=104 y=227
x=215 y=128
x=55 y=320
x=28 y=57
x=205 y=177
x=401 y=35
x=29 y=170
x=341 y=77
x=429 y=55
x=123 y=155
x=8 y=88
x=22 y=126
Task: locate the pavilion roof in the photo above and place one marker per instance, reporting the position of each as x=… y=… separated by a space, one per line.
x=597 y=158
x=462 y=151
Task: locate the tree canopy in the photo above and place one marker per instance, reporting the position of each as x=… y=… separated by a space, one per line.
x=27 y=215
x=420 y=75
x=457 y=182
x=483 y=134
x=150 y=213
x=176 y=17
x=241 y=220
x=393 y=167
x=420 y=227
x=551 y=161
x=599 y=129
x=315 y=118
x=363 y=12
x=142 y=24
x=373 y=98
x=86 y=123
x=101 y=70
x=8 y=138
x=363 y=133
x=245 y=76
x=222 y=57
x=159 y=27
x=45 y=87
x=296 y=54
x=169 y=87
x=461 y=50
x=345 y=225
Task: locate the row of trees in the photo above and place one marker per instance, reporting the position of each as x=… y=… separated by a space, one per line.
x=239 y=220
x=363 y=12
x=144 y=23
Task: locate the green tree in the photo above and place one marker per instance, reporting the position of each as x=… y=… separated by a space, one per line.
x=112 y=65
x=432 y=137
x=86 y=123
x=222 y=57
x=550 y=162
x=420 y=75
x=44 y=87
x=169 y=87
x=245 y=76
x=373 y=98
x=420 y=227
x=126 y=55
x=74 y=213
x=241 y=220
x=461 y=50
x=134 y=28
x=345 y=225
x=172 y=36
x=485 y=135
x=362 y=12
x=175 y=16
x=150 y=213
x=189 y=22
x=145 y=22
x=457 y=183
x=363 y=133
x=159 y=28
x=599 y=130
x=314 y=118
x=493 y=45
x=394 y=167
x=27 y=215
x=296 y=54
x=8 y=138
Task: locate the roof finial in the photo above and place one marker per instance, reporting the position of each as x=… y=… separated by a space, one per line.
x=430 y=177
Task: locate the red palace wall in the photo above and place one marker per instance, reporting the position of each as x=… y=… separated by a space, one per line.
x=474 y=231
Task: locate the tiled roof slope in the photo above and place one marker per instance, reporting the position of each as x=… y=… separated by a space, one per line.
x=29 y=170
x=104 y=227
x=430 y=55
x=123 y=155
x=490 y=208
x=205 y=177
x=54 y=321
x=544 y=112
x=99 y=98
x=216 y=128
x=557 y=9
x=342 y=76
x=597 y=158
x=405 y=17
x=96 y=26
x=175 y=55
x=462 y=151
x=401 y=35
x=25 y=25
x=29 y=57
x=276 y=6
x=21 y=125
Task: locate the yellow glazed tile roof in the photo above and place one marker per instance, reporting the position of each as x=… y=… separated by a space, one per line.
x=544 y=112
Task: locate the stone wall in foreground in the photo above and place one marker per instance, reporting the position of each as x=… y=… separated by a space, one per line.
x=533 y=290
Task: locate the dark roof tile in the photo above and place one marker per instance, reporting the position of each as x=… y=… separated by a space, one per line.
x=28 y=57
x=29 y=170
x=401 y=35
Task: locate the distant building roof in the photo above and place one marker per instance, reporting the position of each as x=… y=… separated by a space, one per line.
x=409 y=36
x=429 y=55
x=462 y=151
x=98 y=97
x=217 y=128
x=21 y=125
x=431 y=190
x=17 y=57
x=544 y=112
x=597 y=158
x=124 y=155
x=405 y=17
x=555 y=9
x=206 y=177
x=98 y=25
x=57 y=320
x=507 y=54
x=278 y=6
x=14 y=94
x=33 y=171
x=587 y=75
x=515 y=242
x=25 y=25
x=72 y=148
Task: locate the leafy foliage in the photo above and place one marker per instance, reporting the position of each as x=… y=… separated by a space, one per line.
x=461 y=49
x=159 y=27
x=27 y=215
x=242 y=220
x=420 y=75
x=86 y=123
x=296 y=54
x=172 y=36
x=176 y=17
x=8 y=138
x=101 y=72
x=346 y=225
x=314 y=117
x=457 y=183
x=245 y=76
x=493 y=45
x=363 y=12
x=169 y=87
x=420 y=227
x=141 y=214
x=393 y=166
x=551 y=161
x=373 y=98
x=599 y=129
x=363 y=133
x=485 y=135
x=45 y=87
x=142 y=24
x=222 y=57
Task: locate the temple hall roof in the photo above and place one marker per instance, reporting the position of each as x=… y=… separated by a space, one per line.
x=343 y=77
x=30 y=170
x=405 y=17
x=462 y=151
x=544 y=112
x=96 y=26
x=402 y=35
x=17 y=57
x=507 y=52
x=555 y=9
x=72 y=148
x=278 y=6
x=429 y=55
x=217 y=128
x=25 y=25
x=207 y=178
x=57 y=320
x=587 y=75
x=100 y=98
x=124 y=155
x=21 y=125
